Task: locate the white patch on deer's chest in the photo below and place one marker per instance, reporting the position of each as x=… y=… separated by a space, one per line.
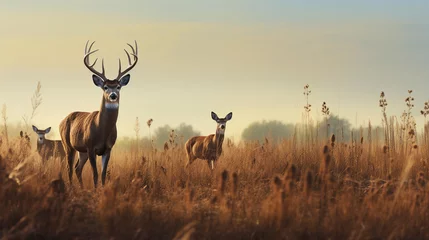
x=112 y=105
x=220 y=131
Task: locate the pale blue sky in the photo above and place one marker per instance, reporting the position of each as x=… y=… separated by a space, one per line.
x=246 y=11
x=249 y=57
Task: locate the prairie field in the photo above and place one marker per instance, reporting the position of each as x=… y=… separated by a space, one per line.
x=297 y=188
x=190 y=120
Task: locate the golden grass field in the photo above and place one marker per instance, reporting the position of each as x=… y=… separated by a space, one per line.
x=292 y=190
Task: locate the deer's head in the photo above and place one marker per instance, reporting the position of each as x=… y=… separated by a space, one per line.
x=41 y=134
x=221 y=122
x=111 y=88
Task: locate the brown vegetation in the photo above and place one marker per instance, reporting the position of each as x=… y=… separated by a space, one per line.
x=298 y=188
x=332 y=191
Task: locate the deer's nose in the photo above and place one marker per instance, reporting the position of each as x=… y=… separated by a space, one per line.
x=113 y=96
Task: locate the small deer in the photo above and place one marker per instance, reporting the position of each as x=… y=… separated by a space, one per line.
x=94 y=133
x=48 y=148
x=208 y=147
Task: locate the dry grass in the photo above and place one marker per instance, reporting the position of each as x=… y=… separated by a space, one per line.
x=338 y=191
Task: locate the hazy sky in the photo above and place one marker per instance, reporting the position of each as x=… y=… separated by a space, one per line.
x=246 y=56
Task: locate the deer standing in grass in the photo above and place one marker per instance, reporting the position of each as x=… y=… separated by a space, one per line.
x=209 y=147
x=48 y=148
x=94 y=133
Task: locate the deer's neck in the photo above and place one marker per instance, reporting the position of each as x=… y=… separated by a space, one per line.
x=107 y=116
x=39 y=146
x=43 y=145
x=218 y=140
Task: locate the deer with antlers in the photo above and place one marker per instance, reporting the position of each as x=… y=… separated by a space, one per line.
x=94 y=134
x=48 y=148
x=209 y=147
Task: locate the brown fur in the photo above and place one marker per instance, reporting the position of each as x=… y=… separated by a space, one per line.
x=94 y=133
x=90 y=134
x=204 y=147
x=51 y=148
x=208 y=147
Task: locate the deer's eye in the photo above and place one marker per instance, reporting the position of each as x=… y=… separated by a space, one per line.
x=118 y=87
x=105 y=87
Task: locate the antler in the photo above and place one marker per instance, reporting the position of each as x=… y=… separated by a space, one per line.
x=131 y=65
x=91 y=66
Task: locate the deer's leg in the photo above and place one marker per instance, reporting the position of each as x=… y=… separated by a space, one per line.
x=61 y=151
x=105 y=161
x=211 y=164
x=70 y=159
x=92 y=158
x=189 y=155
x=83 y=157
x=191 y=159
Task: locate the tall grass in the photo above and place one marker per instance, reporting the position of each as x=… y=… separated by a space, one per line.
x=339 y=191
x=299 y=188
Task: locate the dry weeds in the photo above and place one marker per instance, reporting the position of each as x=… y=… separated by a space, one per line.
x=264 y=194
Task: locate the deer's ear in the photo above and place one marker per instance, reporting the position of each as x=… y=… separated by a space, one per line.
x=34 y=128
x=214 y=116
x=47 y=130
x=229 y=116
x=124 y=80
x=97 y=81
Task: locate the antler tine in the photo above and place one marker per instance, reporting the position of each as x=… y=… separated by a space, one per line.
x=86 y=46
x=90 y=47
x=131 y=65
x=88 y=52
x=132 y=48
x=128 y=55
x=120 y=66
x=102 y=66
x=96 y=50
x=94 y=62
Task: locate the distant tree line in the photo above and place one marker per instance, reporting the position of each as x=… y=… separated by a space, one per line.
x=173 y=136
x=342 y=128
